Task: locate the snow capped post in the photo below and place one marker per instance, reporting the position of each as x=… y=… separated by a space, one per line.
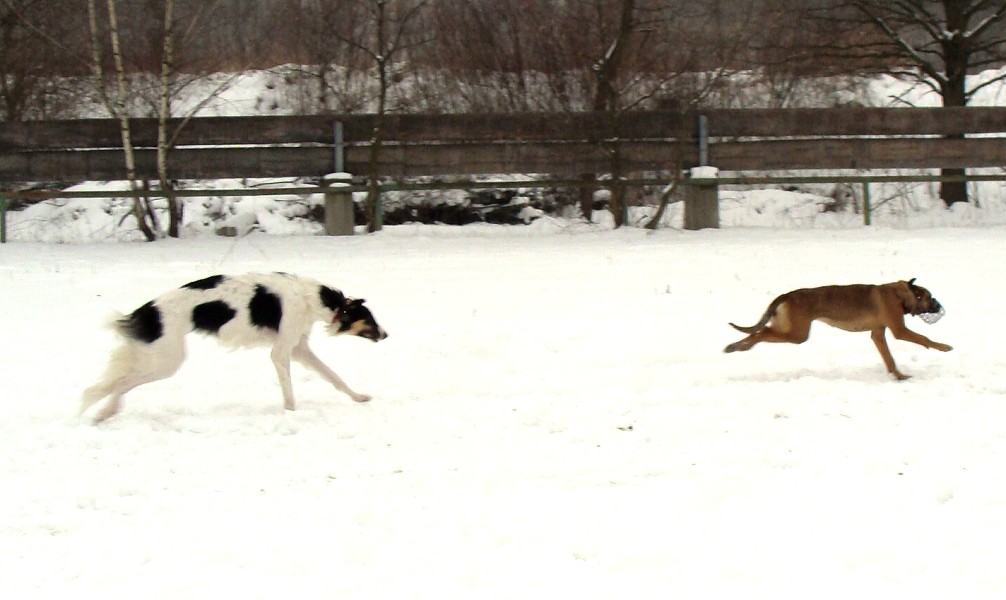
x=702 y=207
x=339 y=214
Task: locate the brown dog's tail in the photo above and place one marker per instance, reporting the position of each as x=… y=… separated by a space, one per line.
x=765 y=318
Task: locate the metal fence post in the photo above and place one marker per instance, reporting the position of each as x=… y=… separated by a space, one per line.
x=703 y=135
x=3 y=219
x=339 y=214
x=867 y=209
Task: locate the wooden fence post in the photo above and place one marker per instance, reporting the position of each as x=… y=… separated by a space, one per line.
x=339 y=214
x=702 y=203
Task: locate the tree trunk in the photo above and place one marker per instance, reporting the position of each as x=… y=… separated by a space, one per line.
x=372 y=208
x=373 y=204
x=954 y=92
x=163 y=113
x=619 y=209
x=606 y=100
x=665 y=198
x=118 y=108
x=585 y=196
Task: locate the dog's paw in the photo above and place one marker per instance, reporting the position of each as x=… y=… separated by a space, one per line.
x=944 y=348
x=361 y=397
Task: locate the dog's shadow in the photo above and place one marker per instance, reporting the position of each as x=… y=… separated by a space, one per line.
x=843 y=374
x=234 y=416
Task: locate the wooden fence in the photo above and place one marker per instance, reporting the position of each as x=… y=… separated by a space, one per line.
x=558 y=144
x=561 y=145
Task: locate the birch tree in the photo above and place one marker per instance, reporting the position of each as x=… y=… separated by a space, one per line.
x=117 y=106
x=173 y=28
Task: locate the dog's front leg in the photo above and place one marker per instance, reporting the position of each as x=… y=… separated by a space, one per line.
x=302 y=353
x=281 y=360
x=880 y=340
x=905 y=334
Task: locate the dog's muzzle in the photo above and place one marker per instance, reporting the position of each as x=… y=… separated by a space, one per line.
x=376 y=336
x=935 y=312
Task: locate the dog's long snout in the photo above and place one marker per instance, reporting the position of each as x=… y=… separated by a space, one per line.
x=374 y=334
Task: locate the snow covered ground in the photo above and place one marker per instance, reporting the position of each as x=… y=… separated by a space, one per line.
x=552 y=418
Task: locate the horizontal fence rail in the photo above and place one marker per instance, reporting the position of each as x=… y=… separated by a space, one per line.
x=558 y=144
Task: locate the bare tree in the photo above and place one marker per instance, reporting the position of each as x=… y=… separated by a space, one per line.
x=607 y=100
x=333 y=72
x=935 y=43
x=178 y=30
x=163 y=112
x=387 y=31
x=154 y=39
x=117 y=106
x=506 y=56
x=34 y=71
x=640 y=57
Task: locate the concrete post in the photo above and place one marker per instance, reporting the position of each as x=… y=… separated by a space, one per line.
x=702 y=206
x=339 y=214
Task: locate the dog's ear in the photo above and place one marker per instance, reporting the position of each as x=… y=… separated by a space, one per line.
x=342 y=312
x=911 y=282
x=906 y=295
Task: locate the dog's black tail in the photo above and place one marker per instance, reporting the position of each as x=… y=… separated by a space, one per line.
x=765 y=318
x=143 y=324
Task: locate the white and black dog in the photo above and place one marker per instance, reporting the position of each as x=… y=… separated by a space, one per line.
x=276 y=310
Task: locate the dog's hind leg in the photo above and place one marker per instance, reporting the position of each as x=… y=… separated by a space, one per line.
x=302 y=353
x=744 y=344
x=131 y=366
x=120 y=364
x=788 y=326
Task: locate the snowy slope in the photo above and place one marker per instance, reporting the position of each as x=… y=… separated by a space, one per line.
x=553 y=418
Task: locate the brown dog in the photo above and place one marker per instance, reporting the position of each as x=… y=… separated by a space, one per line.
x=872 y=308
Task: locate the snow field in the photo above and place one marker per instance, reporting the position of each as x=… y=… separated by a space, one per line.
x=553 y=416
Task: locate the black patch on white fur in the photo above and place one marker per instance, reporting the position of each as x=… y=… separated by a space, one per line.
x=265 y=308
x=205 y=284
x=211 y=316
x=331 y=299
x=143 y=324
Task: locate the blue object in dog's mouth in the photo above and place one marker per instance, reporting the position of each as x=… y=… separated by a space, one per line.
x=931 y=318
